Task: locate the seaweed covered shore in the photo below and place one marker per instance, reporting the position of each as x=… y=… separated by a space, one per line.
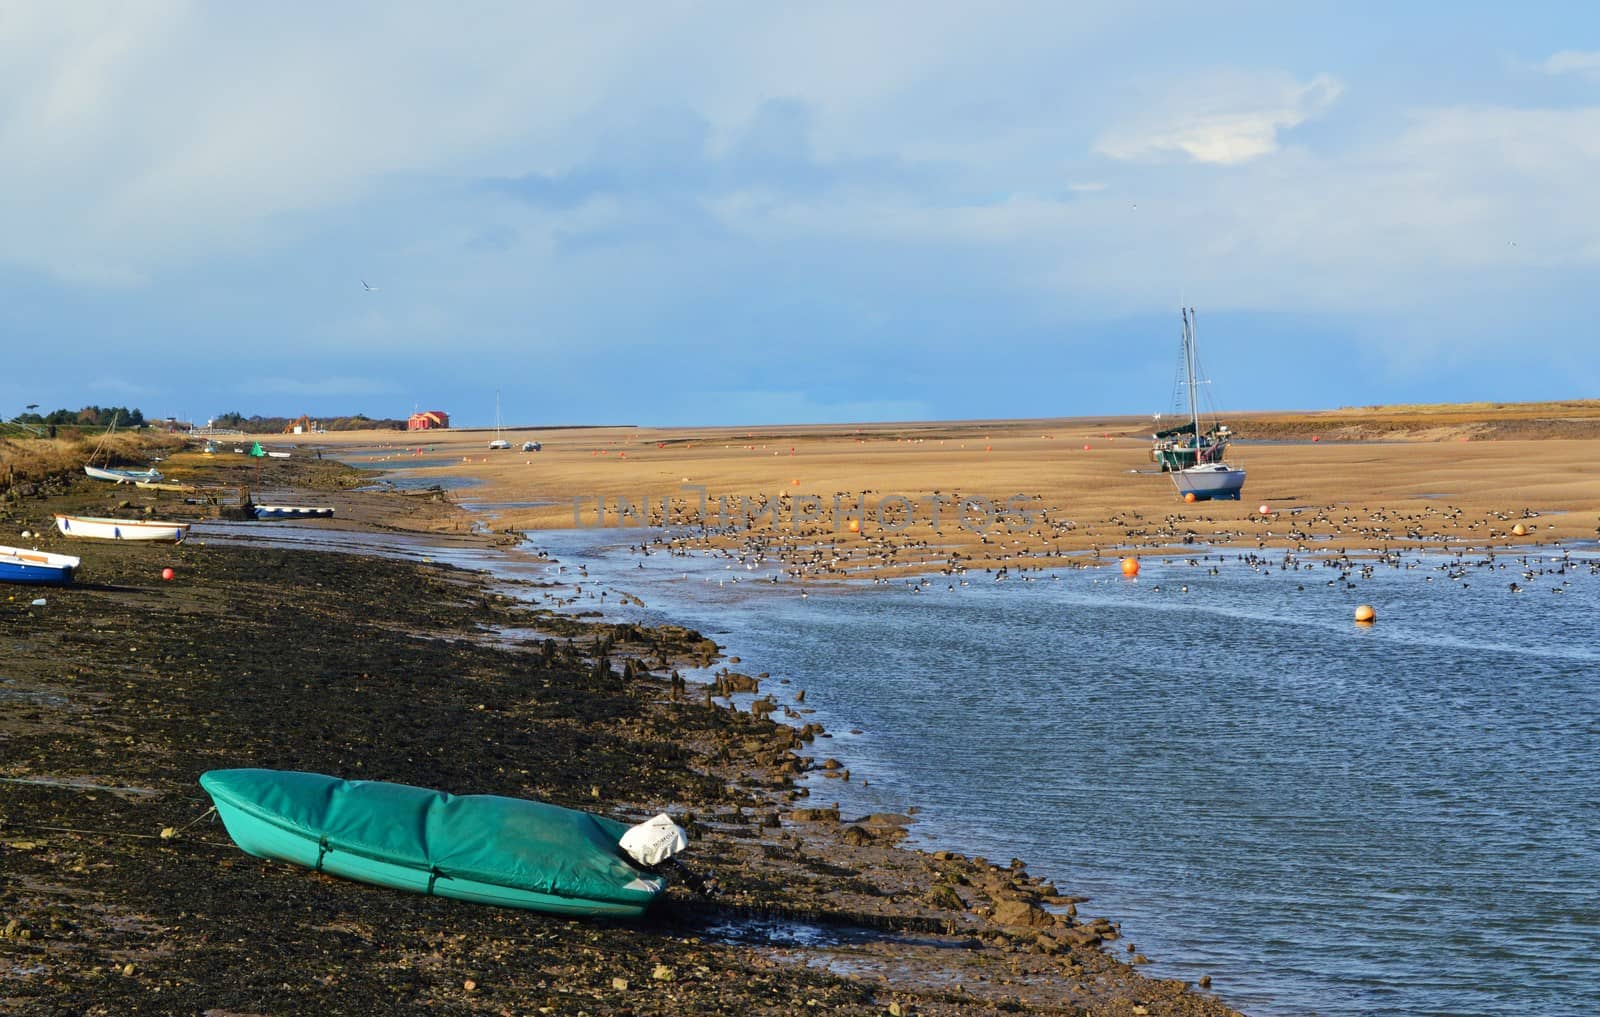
x=119 y=894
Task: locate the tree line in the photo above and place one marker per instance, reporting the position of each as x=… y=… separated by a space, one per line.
x=90 y=417
x=258 y=424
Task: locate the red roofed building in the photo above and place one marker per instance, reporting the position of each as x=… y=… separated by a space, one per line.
x=428 y=421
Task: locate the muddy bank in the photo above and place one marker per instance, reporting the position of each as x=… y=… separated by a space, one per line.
x=118 y=692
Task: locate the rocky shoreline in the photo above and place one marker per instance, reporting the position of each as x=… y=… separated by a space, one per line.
x=122 y=896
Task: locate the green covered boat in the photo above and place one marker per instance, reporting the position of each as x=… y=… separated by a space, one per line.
x=484 y=848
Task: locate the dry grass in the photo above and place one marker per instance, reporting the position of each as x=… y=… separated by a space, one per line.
x=39 y=460
x=1577 y=418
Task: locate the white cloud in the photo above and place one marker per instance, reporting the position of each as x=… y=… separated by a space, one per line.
x=1225 y=118
x=1570 y=61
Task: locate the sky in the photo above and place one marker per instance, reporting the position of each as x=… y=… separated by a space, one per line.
x=731 y=213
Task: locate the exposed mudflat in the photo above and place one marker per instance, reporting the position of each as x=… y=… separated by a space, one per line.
x=118 y=692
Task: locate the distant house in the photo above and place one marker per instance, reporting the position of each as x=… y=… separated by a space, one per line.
x=428 y=421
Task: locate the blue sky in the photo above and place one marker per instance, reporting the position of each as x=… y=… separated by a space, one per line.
x=733 y=213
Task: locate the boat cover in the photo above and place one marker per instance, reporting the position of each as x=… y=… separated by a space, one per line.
x=499 y=850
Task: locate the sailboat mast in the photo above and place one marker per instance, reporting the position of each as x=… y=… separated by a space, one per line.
x=1189 y=371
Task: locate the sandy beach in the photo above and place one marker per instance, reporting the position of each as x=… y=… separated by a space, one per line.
x=893 y=499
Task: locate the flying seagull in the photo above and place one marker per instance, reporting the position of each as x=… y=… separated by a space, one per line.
x=369 y=289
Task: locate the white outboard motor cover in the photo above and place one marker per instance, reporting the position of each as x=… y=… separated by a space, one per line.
x=654 y=840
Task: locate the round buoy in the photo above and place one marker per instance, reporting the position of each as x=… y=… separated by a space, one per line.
x=855 y=526
x=1366 y=615
x=1265 y=510
x=1188 y=496
x=1130 y=566
x=167 y=573
x=1520 y=530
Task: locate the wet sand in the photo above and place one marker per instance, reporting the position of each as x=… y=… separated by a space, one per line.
x=122 y=896
x=839 y=500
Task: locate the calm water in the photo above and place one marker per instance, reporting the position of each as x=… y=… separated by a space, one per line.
x=1328 y=819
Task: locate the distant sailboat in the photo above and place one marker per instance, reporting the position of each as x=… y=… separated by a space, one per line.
x=499 y=442
x=1207 y=476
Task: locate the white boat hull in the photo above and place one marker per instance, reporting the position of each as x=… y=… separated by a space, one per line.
x=1209 y=480
x=121 y=476
x=120 y=529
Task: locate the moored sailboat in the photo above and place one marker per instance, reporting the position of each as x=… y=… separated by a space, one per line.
x=499 y=443
x=1196 y=462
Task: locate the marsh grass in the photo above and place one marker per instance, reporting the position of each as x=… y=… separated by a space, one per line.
x=36 y=460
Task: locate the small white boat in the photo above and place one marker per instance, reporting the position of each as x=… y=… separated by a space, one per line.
x=278 y=455
x=531 y=446
x=114 y=475
x=499 y=444
x=102 y=528
x=122 y=476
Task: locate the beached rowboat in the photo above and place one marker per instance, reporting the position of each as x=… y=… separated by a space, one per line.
x=293 y=512
x=120 y=529
x=484 y=848
x=122 y=476
x=39 y=568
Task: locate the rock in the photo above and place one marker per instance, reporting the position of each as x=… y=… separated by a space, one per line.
x=1020 y=913
x=829 y=815
x=662 y=973
x=620 y=984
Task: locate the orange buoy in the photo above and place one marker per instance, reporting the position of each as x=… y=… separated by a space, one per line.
x=1365 y=615
x=1520 y=530
x=1130 y=566
x=855 y=526
x=1188 y=496
x=167 y=573
x=1265 y=510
